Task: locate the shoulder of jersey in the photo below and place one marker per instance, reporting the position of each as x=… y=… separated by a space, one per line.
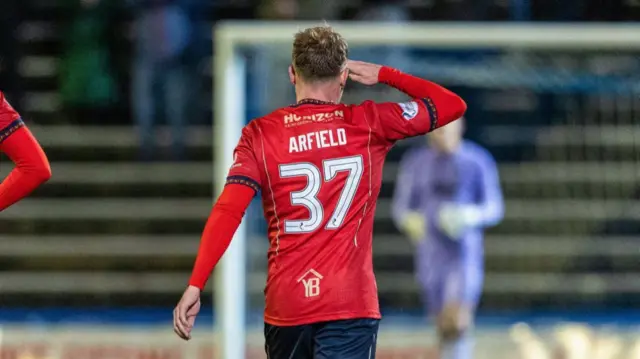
x=270 y=118
x=273 y=115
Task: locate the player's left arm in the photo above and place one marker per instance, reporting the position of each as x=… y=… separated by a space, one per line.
x=243 y=182
x=224 y=220
x=31 y=164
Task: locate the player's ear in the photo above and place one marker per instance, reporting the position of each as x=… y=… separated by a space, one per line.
x=292 y=75
x=344 y=75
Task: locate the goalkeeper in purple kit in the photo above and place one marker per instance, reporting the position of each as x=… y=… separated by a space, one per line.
x=446 y=195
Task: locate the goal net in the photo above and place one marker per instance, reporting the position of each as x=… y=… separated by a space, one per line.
x=557 y=106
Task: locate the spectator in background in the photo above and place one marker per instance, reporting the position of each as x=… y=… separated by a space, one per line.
x=383 y=11
x=268 y=83
x=10 y=15
x=465 y=10
x=328 y=10
x=278 y=9
x=389 y=12
x=87 y=83
x=163 y=32
x=446 y=195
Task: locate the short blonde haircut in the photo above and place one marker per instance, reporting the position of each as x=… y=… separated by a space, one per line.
x=319 y=53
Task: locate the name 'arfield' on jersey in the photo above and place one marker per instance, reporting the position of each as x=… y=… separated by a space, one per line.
x=317 y=140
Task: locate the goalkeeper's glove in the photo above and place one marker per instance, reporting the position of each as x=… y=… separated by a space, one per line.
x=455 y=219
x=413 y=225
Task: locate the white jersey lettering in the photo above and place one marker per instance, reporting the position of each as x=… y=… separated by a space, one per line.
x=317 y=140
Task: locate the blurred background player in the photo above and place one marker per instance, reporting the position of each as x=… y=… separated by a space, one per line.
x=17 y=142
x=318 y=165
x=446 y=195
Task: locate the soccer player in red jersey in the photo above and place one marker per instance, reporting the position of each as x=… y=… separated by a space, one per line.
x=318 y=165
x=32 y=167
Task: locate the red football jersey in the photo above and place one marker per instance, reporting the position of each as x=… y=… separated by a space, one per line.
x=9 y=119
x=319 y=167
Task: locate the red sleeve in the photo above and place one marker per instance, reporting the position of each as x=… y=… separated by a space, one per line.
x=243 y=181
x=432 y=106
x=7 y=115
x=219 y=230
x=32 y=167
x=10 y=120
x=245 y=169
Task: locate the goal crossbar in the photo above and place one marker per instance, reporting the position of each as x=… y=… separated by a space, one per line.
x=476 y=35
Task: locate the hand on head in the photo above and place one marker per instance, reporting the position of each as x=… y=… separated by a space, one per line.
x=363 y=72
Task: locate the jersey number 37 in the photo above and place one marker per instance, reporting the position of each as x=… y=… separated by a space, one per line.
x=308 y=197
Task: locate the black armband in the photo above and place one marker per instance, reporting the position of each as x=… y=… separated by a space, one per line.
x=245 y=181
x=433 y=112
x=11 y=128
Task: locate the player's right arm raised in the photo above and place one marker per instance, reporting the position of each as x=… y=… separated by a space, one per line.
x=433 y=106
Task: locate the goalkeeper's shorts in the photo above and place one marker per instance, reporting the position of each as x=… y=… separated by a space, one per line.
x=452 y=285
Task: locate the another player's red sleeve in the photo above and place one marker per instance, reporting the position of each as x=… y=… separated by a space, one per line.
x=31 y=164
x=243 y=181
x=432 y=106
x=7 y=116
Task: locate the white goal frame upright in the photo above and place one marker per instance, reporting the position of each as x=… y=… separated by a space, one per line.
x=230 y=101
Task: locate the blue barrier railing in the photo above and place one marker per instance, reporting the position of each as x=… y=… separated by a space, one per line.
x=163 y=316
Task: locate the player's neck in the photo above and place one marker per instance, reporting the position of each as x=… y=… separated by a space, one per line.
x=316 y=97
x=324 y=93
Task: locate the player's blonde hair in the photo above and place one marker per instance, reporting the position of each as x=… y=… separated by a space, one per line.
x=319 y=53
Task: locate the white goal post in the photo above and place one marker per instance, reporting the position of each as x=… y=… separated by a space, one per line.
x=230 y=101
